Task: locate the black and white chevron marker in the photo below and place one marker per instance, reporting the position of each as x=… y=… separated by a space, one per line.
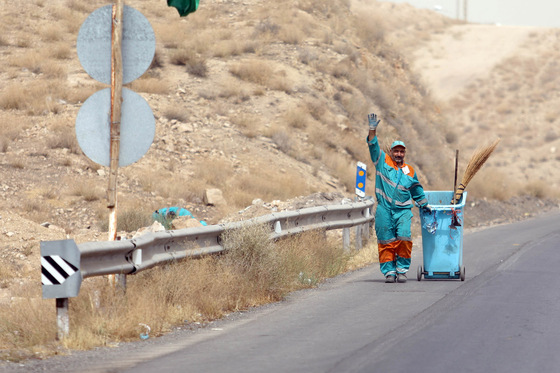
x=55 y=270
x=60 y=269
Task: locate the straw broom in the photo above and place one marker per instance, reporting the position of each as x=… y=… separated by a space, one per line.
x=479 y=157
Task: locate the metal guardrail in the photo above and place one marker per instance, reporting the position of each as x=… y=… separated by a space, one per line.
x=64 y=264
x=146 y=251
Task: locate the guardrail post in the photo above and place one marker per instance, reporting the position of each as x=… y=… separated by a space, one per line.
x=277 y=227
x=367 y=226
x=62 y=320
x=346 y=239
x=358 y=238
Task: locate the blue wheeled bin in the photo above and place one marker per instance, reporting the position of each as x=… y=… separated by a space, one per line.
x=442 y=237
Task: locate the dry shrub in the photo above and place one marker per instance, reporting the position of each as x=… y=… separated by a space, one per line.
x=309 y=258
x=150 y=85
x=17 y=162
x=248 y=124
x=163 y=183
x=80 y=6
x=291 y=35
x=44 y=96
x=266 y=28
x=279 y=82
x=198 y=67
x=23 y=41
x=64 y=139
x=175 y=113
x=35 y=211
x=231 y=88
x=3 y=41
x=250 y=252
x=182 y=57
x=68 y=17
x=355 y=146
x=283 y=140
x=370 y=29
x=213 y=171
x=51 y=33
x=254 y=71
x=227 y=48
x=4 y=143
x=23 y=330
x=130 y=220
x=60 y=51
x=53 y=70
x=266 y=184
x=538 y=189
x=341 y=168
x=30 y=60
x=15 y=97
x=166 y=34
x=86 y=191
x=316 y=108
x=79 y=94
x=297 y=117
x=355 y=105
x=491 y=183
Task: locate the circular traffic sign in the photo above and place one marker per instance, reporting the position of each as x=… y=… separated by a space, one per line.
x=94 y=44
x=137 y=129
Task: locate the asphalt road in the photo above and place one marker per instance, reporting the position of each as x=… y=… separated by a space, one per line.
x=503 y=318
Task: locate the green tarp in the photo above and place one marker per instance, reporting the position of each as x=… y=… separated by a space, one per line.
x=184 y=7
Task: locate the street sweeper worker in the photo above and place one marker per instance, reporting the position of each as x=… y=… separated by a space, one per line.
x=396 y=187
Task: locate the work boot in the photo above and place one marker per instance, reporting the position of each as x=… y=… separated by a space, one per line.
x=401 y=277
x=389 y=278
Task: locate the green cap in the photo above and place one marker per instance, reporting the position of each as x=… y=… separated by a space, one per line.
x=398 y=143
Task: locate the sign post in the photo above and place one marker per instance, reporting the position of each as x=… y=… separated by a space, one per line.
x=115 y=118
x=60 y=278
x=116 y=44
x=360 y=194
x=115 y=124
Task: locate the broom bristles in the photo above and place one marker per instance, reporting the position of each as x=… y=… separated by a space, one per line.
x=479 y=157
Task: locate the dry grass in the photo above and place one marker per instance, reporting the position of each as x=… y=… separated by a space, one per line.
x=266 y=184
x=254 y=71
x=64 y=139
x=51 y=33
x=254 y=271
x=60 y=51
x=249 y=124
x=492 y=183
x=297 y=117
x=13 y=97
x=539 y=189
x=130 y=220
x=150 y=85
x=175 y=113
x=86 y=191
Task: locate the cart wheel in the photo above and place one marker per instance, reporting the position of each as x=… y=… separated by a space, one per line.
x=462 y=273
x=419 y=273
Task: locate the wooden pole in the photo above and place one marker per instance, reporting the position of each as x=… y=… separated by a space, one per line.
x=455 y=181
x=115 y=118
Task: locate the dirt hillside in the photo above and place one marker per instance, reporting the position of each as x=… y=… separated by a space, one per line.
x=268 y=101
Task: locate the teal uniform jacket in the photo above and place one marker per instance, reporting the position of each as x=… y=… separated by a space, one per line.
x=396 y=190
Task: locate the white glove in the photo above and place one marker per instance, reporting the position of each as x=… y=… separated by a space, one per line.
x=373 y=121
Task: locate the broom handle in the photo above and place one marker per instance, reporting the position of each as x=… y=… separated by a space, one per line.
x=455 y=182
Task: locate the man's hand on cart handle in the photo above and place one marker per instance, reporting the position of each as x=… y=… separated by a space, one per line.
x=426 y=209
